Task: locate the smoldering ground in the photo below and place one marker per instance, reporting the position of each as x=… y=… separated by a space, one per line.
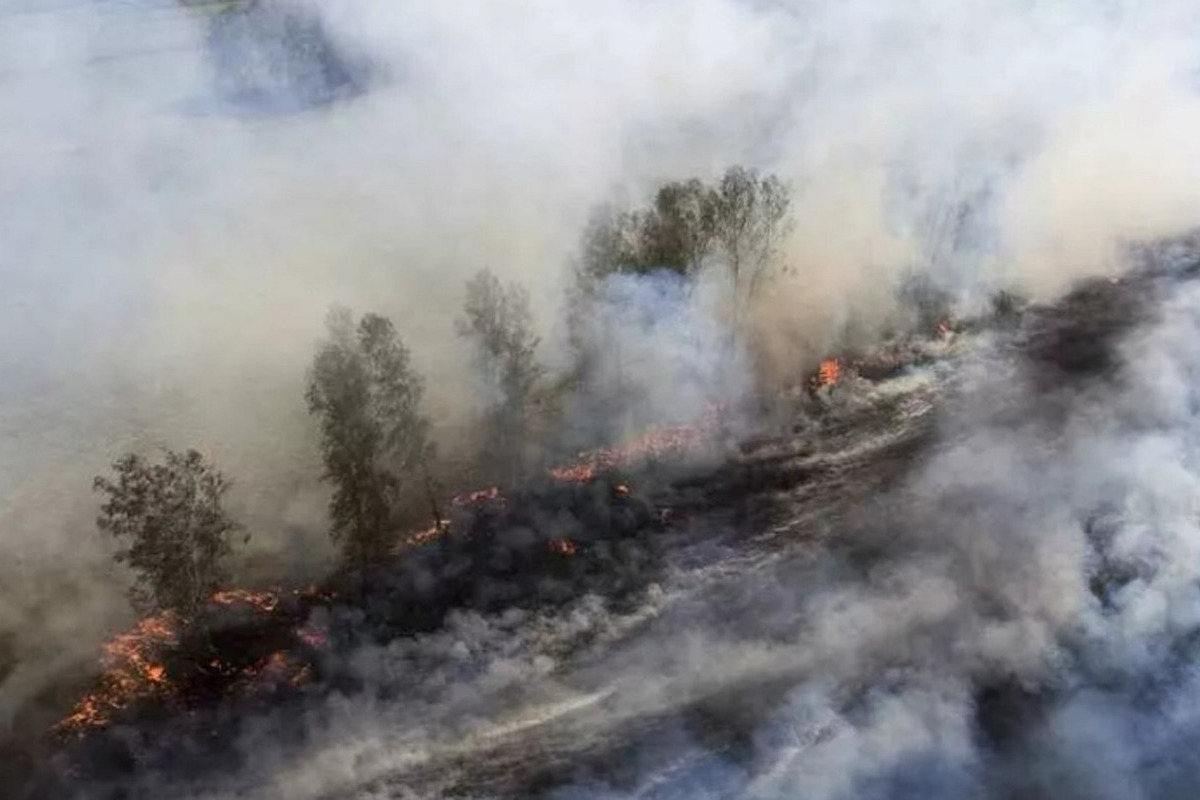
x=965 y=581
x=166 y=271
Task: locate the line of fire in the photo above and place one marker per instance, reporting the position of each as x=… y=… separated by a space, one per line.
x=275 y=646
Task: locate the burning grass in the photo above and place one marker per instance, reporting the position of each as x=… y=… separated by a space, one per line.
x=585 y=530
x=138 y=667
x=143 y=664
x=133 y=670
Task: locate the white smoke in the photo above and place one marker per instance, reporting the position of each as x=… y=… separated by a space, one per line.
x=659 y=354
x=168 y=261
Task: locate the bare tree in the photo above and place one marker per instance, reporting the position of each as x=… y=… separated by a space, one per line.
x=367 y=398
x=497 y=321
x=175 y=533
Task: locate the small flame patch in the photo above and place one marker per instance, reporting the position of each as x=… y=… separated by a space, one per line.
x=828 y=374
x=564 y=547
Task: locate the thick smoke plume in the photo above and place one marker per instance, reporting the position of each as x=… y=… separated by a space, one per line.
x=168 y=257
x=657 y=353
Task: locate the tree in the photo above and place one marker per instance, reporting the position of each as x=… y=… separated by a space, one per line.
x=741 y=219
x=497 y=321
x=751 y=217
x=367 y=397
x=675 y=233
x=176 y=535
x=678 y=232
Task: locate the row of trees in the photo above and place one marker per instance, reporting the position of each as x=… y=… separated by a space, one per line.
x=376 y=447
x=366 y=397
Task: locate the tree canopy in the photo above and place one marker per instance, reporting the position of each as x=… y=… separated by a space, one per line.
x=174 y=531
x=497 y=321
x=367 y=397
x=739 y=221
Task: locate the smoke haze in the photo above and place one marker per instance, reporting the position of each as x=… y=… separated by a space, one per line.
x=168 y=259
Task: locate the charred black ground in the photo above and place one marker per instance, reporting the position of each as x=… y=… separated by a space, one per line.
x=728 y=535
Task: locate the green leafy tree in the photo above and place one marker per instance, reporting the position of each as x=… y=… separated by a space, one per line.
x=497 y=321
x=675 y=233
x=174 y=531
x=374 y=440
x=678 y=231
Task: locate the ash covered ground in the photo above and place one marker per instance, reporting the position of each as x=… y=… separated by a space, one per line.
x=974 y=576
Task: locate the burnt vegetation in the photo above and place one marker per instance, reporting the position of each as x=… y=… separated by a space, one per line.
x=417 y=537
x=418 y=544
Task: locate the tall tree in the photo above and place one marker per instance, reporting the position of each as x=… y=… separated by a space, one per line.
x=497 y=321
x=174 y=531
x=374 y=439
x=677 y=232
x=750 y=219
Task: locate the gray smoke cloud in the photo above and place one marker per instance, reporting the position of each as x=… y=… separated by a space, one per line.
x=168 y=257
x=659 y=354
x=1017 y=618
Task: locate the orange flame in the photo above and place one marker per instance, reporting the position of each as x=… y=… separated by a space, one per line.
x=564 y=547
x=828 y=373
x=470 y=498
x=131 y=672
x=427 y=535
x=263 y=601
x=656 y=443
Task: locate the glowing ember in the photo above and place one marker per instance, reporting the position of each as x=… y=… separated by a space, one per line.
x=276 y=666
x=311 y=636
x=481 y=496
x=132 y=661
x=656 y=443
x=588 y=465
x=132 y=672
x=131 y=664
x=564 y=547
x=274 y=670
x=426 y=536
x=828 y=373
x=264 y=601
